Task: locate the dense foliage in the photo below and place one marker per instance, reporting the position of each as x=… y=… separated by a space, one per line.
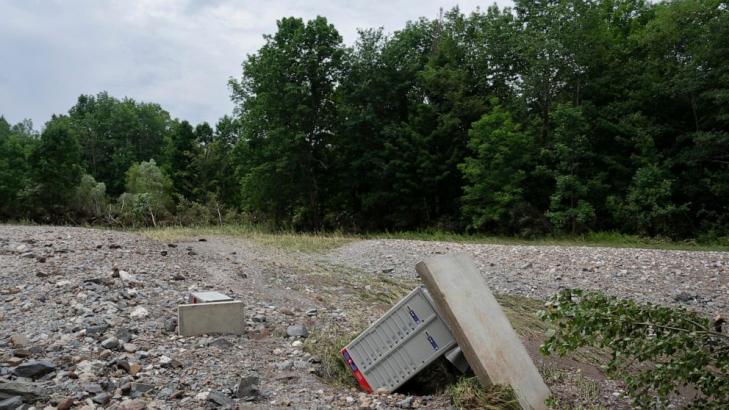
x=656 y=350
x=555 y=116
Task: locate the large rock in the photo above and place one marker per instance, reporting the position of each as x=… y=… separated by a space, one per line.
x=30 y=392
x=11 y=403
x=34 y=369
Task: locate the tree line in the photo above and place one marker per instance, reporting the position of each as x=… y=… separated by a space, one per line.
x=551 y=117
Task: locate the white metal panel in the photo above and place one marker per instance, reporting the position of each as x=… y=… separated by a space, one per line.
x=400 y=344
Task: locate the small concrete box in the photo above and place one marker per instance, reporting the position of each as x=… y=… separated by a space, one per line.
x=400 y=344
x=208 y=297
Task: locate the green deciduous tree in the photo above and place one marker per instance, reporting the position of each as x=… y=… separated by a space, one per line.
x=286 y=102
x=55 y=169
x=496 y=172
x=148 y=194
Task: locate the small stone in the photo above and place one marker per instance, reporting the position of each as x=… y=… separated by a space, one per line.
x=285 y=365
x=130 y=347
x=111 y=343
x=102 y=398
x=312 y=312
x=248 y=388
x=19 y=340
x=259 y=318
x=138 y=389
x=298 y=330
x=526 y=265
x=124 y=335
x=28 y=255
x=684 y=297
x=220 y=399
x=139 y=313
x=163 y=253
x=406 y=403
x=287 y=312
x=65 y=404
x=171 y=324
x=134 y=369
x=221 y=343
x=34 y=369
x=22 y=353
x=132 y=405
x=297 y=343
x=93 y=388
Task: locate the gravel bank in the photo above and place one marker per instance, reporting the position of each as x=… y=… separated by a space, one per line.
x=696 y=280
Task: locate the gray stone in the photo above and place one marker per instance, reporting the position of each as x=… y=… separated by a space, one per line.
x=171 y=324
x=406 y=403
x=111 y=343
x=124 y=335
x=259 y=318
x=138 y=389
x=102 y=398
x=96 y=329
x=220 y=399
x=684 y=297
x=248 y=388
x=221 y=343
x=30 y=392
x=298 y=330
x=93 y=388
x=285 y=365
x=11 y=403
x=34 y=369
x=312 y=312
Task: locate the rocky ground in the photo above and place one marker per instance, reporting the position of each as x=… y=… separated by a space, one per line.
x=690 y=279
x=88 y=317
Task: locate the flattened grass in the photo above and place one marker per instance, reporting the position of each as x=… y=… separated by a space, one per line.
x=288 y=241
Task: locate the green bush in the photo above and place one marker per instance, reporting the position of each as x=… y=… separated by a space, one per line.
x=656 y=350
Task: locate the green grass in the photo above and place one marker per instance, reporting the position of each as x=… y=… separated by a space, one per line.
x=324 y=241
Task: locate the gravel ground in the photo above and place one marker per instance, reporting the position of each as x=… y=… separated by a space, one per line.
x=89 y=316
x=695 y=280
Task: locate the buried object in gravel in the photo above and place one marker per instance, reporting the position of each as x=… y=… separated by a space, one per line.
x=400 y=344
x=456 y=312
x=489 y=342
x=210 y=313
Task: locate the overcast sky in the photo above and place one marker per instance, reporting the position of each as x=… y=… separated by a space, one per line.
x=178 y=53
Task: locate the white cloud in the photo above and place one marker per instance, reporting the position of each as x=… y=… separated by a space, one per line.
x=178 y=53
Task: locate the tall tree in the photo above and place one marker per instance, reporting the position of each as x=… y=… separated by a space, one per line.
x=286 y=103
x=56 y=168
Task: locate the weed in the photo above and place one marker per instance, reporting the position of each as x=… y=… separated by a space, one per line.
x=467 y=393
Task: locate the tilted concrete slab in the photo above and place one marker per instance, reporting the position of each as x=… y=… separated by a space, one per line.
x=211 y=318
x=483 y=332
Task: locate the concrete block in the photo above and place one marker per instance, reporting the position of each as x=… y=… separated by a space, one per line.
x=484 y=334
x=211 y=318
x=208 y=297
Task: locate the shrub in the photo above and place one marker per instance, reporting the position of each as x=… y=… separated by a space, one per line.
x=656 y=350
